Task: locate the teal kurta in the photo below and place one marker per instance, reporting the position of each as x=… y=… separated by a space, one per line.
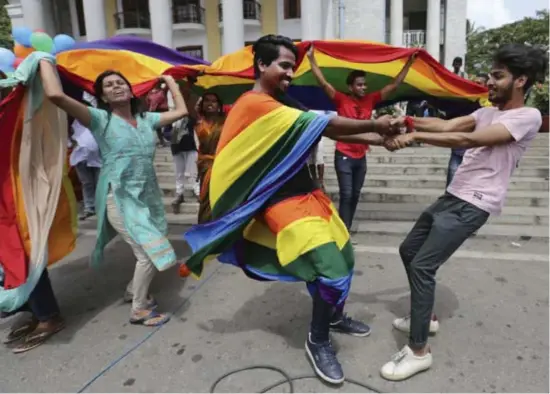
x=128 y=153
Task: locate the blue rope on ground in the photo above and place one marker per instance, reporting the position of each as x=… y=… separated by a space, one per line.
x=147 y=337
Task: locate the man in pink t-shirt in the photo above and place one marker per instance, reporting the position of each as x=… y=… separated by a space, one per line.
x=495 y=139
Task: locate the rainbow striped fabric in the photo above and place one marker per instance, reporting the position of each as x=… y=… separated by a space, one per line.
x=233 y=74
x=230 y=76
x=38 y=210
x=262 y=145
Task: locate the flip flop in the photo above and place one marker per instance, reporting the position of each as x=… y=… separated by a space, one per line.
x=20 y=330
x=37 y=338
x=152 y=319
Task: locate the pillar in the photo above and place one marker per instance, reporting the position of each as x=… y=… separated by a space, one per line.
x=94 y=18
x=433 y=28
x=329 y=16
x=396 y=22
x=161 y=22
x=38 y=14
x=311 y=20
x=233 y=25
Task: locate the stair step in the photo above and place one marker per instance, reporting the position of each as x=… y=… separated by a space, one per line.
x=416 y=195
x=406 y=181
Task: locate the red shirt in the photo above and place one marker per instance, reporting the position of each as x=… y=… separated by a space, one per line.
x=351 y=107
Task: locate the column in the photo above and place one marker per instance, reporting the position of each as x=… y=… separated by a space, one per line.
x=94 y=18
x=433 y=28
x=312 y=20
x=329 y=32
x=161 y=22
x=396 y=22
x=233 y=25
x=34 y=14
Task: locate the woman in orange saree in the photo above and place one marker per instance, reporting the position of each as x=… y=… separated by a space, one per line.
x=211 y=117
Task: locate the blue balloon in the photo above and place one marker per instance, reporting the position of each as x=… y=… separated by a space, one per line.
x=7 y=57
x=6 y=68
x=63 y=42
x=22 y=35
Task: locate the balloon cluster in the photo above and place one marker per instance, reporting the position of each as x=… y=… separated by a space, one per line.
x=28 y=41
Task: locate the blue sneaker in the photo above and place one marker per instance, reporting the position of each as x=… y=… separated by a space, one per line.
x=347 y=325
x=324 y=361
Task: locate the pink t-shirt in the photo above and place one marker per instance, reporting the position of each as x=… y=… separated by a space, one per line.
x=484 y=175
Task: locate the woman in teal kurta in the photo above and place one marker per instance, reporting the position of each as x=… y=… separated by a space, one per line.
x=128 y=197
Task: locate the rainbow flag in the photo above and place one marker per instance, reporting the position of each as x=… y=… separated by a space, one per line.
x=263 y=144
x=140 y=61
x=38 y=210
x=233 y=74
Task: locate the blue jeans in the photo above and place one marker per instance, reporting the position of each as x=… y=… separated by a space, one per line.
x=351 y=177
x=42 y=302
x=88 y=177
x=454 y=162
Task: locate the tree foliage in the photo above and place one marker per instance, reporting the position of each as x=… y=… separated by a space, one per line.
x=482 y=44
x=5 y=27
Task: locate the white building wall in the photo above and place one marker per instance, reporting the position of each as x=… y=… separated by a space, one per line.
x=365 y=20
x=191 y=38
x=291 y=28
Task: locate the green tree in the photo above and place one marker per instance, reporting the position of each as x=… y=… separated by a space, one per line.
x=481 y=44
x=5 y=27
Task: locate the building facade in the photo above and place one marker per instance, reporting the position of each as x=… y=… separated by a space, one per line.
x=210 y=28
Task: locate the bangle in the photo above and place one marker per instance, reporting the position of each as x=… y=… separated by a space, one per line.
x=409 y=123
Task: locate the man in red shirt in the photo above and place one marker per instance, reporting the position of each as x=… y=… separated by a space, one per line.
x=350 y=159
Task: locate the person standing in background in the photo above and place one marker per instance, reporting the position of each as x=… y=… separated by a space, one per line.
x=350 y=159
x=157 y=101
x=87 y=162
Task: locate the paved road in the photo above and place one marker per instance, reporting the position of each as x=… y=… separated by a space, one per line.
x=493 y=310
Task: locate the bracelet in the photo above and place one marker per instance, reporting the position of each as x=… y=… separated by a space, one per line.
x=409 y=124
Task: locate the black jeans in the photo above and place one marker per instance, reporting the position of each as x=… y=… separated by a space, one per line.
x=351 y=177
x=323 y=314
x=436 y=235
x=42 y=302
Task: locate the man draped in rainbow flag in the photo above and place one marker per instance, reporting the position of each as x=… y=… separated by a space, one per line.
x=268 y=215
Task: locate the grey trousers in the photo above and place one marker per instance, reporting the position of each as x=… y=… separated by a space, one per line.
x=437 y=234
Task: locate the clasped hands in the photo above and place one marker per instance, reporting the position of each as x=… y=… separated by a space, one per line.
x=394 y=139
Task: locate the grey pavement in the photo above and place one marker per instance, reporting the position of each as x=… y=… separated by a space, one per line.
x=492 y=304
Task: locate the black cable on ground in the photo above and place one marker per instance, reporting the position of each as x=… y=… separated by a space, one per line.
x=288 y=379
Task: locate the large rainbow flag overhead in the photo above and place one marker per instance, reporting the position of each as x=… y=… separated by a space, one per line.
x=231 y=75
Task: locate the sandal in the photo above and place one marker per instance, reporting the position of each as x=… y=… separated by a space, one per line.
x=20 y=330
x=151 y=302
x=152 y=319
x=37 y=338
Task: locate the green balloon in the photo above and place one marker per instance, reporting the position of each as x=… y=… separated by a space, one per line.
x=41 y=42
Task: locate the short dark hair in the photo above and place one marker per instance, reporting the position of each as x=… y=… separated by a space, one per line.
x=457 y=59
x=521 y=59
x=266 y=50
x=352 y=76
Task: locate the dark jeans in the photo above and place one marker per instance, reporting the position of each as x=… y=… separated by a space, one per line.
x=88 y=177
x=42 y=302
x=351 y=177
x=436 y=235
x=322 y=315
x=454 y=162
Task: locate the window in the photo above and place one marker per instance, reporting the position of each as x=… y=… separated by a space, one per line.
x=80 y=17
x=195 y=51
x=292 y=9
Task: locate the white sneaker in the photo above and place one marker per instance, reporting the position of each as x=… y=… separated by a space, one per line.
x=405 y=364
x=197 y=189
x=403 y=324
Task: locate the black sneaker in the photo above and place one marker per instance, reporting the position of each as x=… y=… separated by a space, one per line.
x=324 y=361
x=347 y=325
x=86 y=215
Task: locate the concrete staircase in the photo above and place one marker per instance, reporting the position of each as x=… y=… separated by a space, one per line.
x=401 y=184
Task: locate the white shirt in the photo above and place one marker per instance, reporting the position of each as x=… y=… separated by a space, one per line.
x=86 y=147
